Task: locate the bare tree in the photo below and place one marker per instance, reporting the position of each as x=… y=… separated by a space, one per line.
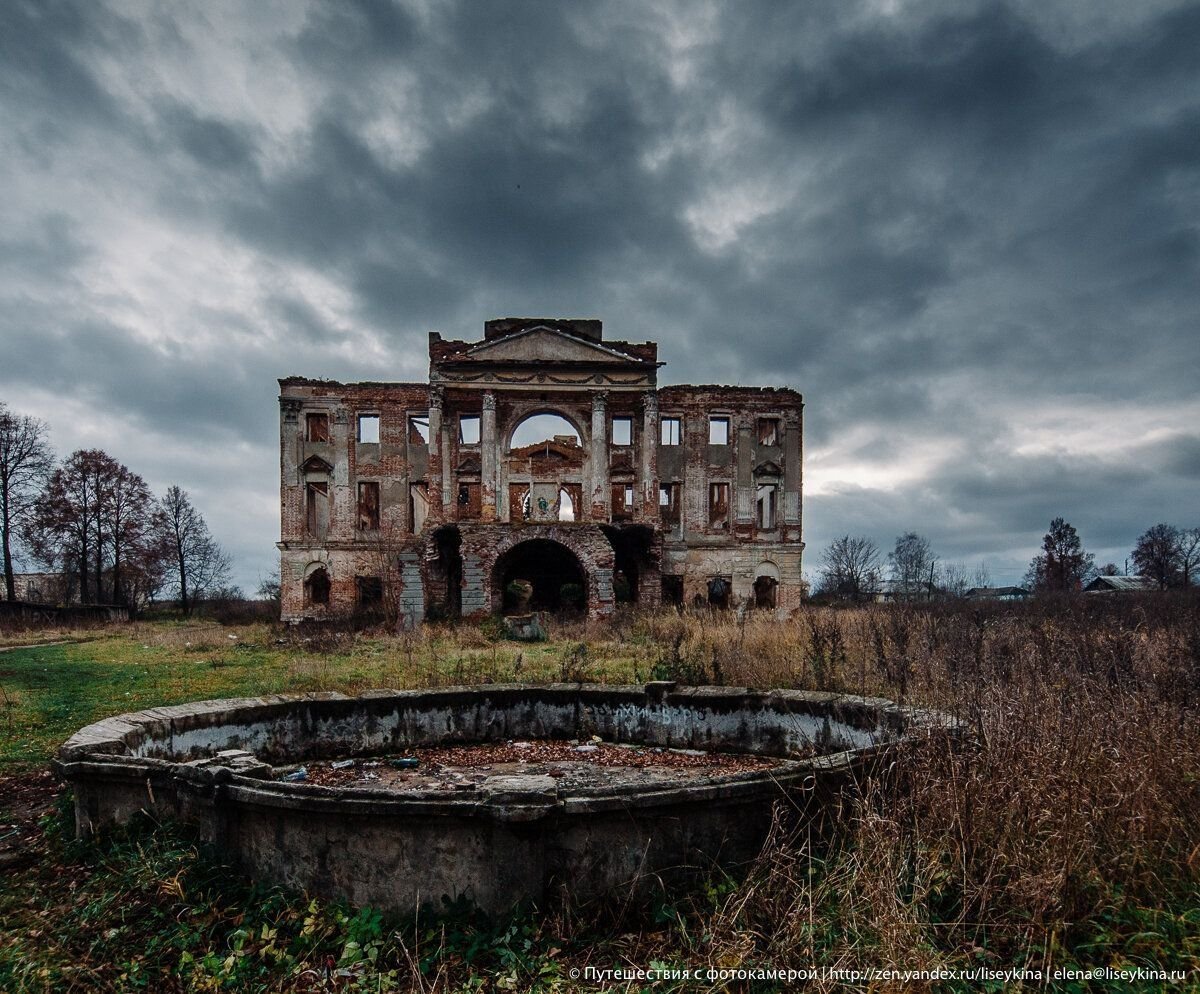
x=1062 y=564
x=850 y=566
x=982 y=577
x=95 y=518
x=954 y=579
x=1158 y=555
x=912 y=565
x=25 y=462
x=66 y=527
x=1189 y=554
x=196 y=559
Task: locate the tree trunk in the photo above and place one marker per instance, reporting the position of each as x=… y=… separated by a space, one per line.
x=183 y=594
x=9 y=579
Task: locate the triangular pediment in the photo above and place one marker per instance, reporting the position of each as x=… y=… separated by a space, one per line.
x=768 y=468
x=545 y=344
x=315 y=464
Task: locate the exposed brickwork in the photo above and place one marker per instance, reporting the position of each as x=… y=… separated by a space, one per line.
x=454 y=495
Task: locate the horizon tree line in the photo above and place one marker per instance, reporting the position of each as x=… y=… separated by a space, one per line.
x=95 y=521
x=853 y=567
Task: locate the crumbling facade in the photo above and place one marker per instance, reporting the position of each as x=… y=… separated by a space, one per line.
x=414 y=499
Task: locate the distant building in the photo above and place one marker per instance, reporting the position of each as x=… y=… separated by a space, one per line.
x=418 y=493
x=40 y=588
x=996 y=594
x=1121 y=585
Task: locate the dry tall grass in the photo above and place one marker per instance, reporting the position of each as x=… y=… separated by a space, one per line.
x=1071 y=833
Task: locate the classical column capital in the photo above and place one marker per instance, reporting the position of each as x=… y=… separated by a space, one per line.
x=489 y=401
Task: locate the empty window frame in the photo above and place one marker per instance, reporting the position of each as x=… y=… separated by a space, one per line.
x=370 y=591
x=718 y=505
x=767 y=493
x=316 y=427
x=768 y=431
x=622 y=431
x=418 y=506
x=316 y=509
x=418 y=429
x=718 y=430
x=566 y=505
x=316 y=587
x=668 y=502
x=368 y=428
x=368 y=507
x=672 y=430
x=469 y=497
x=468 y=429
x=622 y=500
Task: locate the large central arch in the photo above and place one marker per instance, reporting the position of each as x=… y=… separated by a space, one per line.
x=558 y=578
x=590 y=557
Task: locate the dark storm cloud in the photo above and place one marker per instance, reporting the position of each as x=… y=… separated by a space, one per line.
x=936 y=222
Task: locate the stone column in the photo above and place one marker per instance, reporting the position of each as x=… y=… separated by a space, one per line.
x=745 y=471
x=437 y=455
x=291 y=487
x=487 y=440
x=792 y=469
x=649 y=467
x=601 y=492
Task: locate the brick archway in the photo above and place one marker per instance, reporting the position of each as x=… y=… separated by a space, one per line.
x=586 y=543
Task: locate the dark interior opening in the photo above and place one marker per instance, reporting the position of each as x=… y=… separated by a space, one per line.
x=672 y=590
x=558 y=580
x=633 y=548
x=448 y=542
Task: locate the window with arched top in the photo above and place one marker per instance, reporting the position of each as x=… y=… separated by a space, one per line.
x=544 y=427
x=566 y=506
x=316 y=586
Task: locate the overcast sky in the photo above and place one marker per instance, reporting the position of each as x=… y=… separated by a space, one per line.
x=966 y=232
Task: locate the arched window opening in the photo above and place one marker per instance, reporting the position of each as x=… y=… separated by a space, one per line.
x=316 y=587
x=566 y=506
x=544 y=428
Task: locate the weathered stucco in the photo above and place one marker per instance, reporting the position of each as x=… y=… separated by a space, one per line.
x=512 y=838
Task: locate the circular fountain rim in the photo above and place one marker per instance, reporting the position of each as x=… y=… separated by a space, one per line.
x=108 y=749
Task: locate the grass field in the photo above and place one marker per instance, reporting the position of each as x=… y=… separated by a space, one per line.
x=1069 y=839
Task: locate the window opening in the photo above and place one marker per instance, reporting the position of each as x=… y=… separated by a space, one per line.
x=469 y=505
x=566 y=506
x=418 y=506
x=368 y=506
x=368 y=428
x=418 y=429
x=766 y=507
x=622 y=431
x=468 y=429
x=317 y=586
x=768 y=431
x=316 y=427
x=718 y=505
x=317 y=508
x=370 y=591
x=668 y=502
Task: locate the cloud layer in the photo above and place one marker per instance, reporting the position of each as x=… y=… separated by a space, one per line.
x=969 y=233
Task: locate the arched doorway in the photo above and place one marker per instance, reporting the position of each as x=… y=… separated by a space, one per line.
x=766 y=585
x=555 y=572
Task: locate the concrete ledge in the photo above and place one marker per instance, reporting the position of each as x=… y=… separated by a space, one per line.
x=509 y=839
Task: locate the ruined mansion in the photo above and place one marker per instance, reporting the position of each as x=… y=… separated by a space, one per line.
x=543 y=454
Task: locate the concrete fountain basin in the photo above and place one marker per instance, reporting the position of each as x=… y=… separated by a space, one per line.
x=499 y=839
